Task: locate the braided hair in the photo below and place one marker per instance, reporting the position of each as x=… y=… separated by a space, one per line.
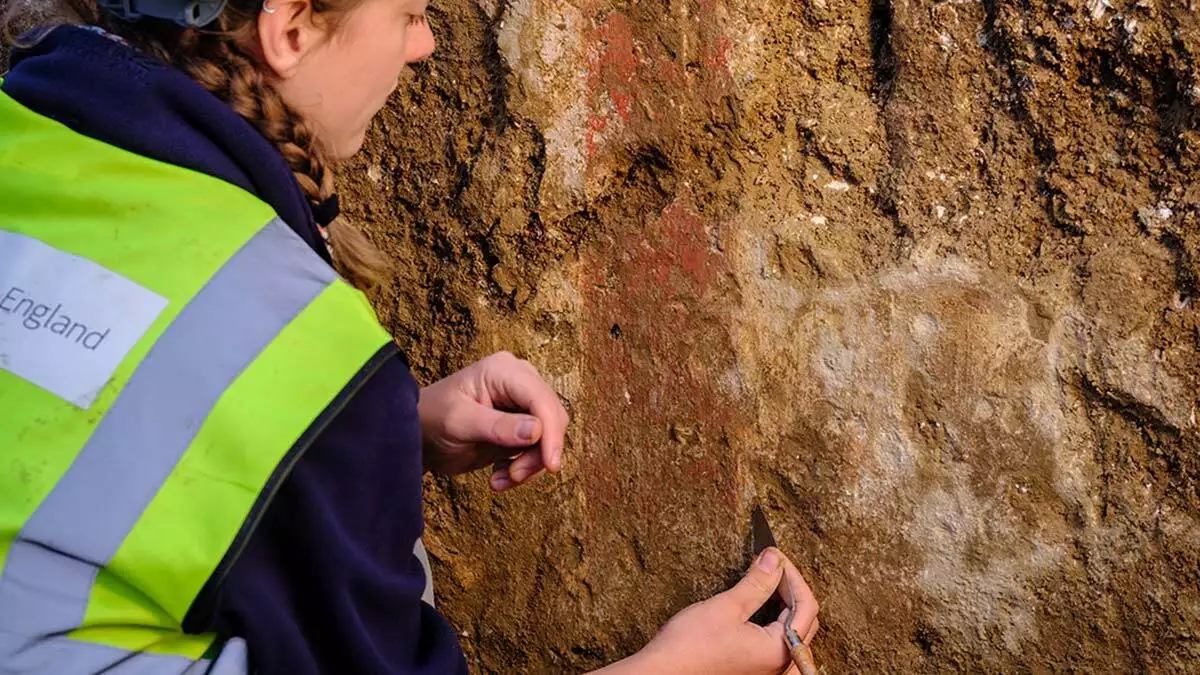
x=223 y=58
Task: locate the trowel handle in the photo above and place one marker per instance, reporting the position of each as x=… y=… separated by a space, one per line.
x=803 y=658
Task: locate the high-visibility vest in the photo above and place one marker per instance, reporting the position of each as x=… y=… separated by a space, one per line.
x=168 y=349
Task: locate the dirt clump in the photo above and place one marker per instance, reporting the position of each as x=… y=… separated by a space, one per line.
x=921 y=279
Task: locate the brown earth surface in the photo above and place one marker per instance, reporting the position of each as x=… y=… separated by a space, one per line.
x=919 y=277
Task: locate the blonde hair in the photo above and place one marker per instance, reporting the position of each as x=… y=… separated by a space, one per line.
x=222 y=58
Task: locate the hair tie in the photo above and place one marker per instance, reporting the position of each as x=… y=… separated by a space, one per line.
x=326 y=211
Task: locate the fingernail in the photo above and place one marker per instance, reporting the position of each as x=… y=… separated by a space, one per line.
x=769 y=560
x=525 y=430
x=501 y=482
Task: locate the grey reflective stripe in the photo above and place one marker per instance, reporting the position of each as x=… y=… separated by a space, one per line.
x=423 y=557
x=53 y=562
x=65 y=656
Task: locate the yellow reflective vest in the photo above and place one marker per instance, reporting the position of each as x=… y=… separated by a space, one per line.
x=168 y=349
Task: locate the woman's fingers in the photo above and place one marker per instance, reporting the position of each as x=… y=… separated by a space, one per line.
x=526 y=466
x=816 y=625
x=516 y=383
x=500 y=480
x=805 y=622
x=513 y=471
x=759 y=584
x=802 y=624
x=807 y=606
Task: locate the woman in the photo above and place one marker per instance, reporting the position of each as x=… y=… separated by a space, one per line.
x=213 y=453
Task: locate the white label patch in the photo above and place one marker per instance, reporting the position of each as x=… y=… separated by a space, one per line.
x=65 y=322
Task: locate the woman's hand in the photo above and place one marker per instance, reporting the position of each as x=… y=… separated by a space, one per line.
x=497 y=411
x=716 y=636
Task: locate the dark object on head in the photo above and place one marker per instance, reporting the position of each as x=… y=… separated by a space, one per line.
x=186 y=13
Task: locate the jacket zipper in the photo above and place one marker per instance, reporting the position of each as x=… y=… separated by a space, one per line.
x=200 y=615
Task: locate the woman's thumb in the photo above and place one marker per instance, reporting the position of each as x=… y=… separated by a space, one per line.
x=757 y=586
x=509 y=430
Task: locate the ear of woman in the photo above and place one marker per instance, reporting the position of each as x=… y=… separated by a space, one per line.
x=286 y=34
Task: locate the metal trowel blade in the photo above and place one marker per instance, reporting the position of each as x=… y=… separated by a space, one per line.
x=761 y=537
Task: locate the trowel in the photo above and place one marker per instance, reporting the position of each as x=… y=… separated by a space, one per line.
x=761 y=538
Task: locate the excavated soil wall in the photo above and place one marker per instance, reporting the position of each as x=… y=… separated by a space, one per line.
x=919 y=277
